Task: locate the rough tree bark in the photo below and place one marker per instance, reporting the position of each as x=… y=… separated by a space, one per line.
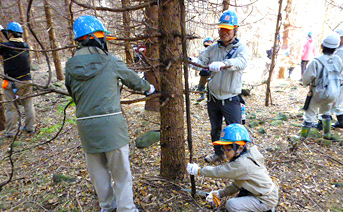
x=226 y=4
x=287 y=24
x=153 y=76
x=172 y=116
x=53 y=41
x=127 y=34
x=70 y=24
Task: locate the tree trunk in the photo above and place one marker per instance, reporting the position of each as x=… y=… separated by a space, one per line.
x=287 y=25
x=23 y=23
x=282 y=72
x=226 y=4
x=70 y=25
x=153 y=76
x=272 y=65
x=53 y=41
x=172 y=116
x=127 y=34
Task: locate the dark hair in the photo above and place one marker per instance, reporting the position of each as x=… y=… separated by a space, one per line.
x=327 y=50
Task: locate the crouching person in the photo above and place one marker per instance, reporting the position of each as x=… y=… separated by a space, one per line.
x=257 y=191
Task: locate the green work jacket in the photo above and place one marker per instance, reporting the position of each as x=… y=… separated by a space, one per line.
x=93 y=80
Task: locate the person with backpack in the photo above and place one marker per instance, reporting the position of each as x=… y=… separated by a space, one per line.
x=337 y=106
x=227 y=59
x=93 y=77
x=245 y=167
x=17 y=65
x=204 y=73
x=324 y=77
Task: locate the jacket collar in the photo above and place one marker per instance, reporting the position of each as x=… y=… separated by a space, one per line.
x=220 y=43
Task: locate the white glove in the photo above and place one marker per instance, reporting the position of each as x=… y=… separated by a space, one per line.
x=193 y=168
x=151 y=91
x=1 y=28
x=211 y=195
x=141 y=49
x=215 y=66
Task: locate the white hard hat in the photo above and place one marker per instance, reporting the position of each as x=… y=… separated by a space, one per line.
x=339 y=31
x=332 y=41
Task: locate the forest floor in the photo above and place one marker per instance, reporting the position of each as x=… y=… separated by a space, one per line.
x=53 y=176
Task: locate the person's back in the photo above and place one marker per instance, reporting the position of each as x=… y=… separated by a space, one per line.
x=319 y=70
x=92 y=79
x=17 y=66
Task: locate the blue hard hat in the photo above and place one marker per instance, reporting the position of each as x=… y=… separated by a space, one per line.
x=14 y=27
x=310 y=34
x=208 y=41
x=234 y=133
x=87 y=24
x=228 y=20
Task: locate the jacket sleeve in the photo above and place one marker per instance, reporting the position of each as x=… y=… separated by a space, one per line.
x=232 y=170
x=130 y=78
x=310 y=73
x=241 y=60
x=204 y=58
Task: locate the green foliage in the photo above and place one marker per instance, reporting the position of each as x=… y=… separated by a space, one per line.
x=57 y=178
x=253 y=124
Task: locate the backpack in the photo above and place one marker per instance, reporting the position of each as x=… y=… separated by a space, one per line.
x=328 y=83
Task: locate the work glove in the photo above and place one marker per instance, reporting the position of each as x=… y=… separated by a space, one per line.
x=193 y=168
x=1 y=28
x=215 y=66
x=213 y=197
x=141 y=49
x=151 y=91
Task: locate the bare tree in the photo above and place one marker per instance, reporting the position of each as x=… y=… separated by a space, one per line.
x=272 y=65
x=127 y=34
x=53 y=41
x=172 y=116
x=153 y=76
x=226 y=4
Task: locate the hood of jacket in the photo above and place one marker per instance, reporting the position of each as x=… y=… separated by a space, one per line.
x=85 y=66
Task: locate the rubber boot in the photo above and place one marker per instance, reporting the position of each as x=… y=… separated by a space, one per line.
x=339 y=123
x=305 y=130
x=327 y=126
x=202 y=96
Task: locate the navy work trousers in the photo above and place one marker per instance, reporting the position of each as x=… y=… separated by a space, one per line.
x=230 y=109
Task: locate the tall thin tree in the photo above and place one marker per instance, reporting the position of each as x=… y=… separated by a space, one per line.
x=272 y=65
x=172 y=116
x=53 y=41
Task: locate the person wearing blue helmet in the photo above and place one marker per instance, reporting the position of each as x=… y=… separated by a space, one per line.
x=204 y=73
x=245 y=167
x=17 y=66
x=227 y=59
x=93 y=77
